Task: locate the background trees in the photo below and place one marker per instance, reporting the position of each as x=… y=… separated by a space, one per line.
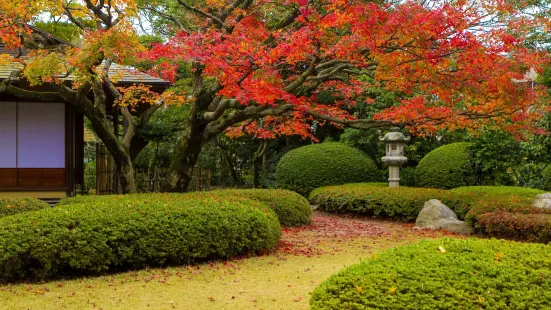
x=276 y=68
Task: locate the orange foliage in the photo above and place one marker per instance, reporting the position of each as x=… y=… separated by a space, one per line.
x=453 y=72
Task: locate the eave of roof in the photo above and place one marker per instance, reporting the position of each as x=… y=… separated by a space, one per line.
x=121 y=75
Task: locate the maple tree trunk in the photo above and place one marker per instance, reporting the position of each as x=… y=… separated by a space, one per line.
x=184 y=160
x=120 y=153
x=226 y=157
x=258 y=155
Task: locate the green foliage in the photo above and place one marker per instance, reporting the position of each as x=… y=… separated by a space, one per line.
x=470 y=274
x=66 y=31
x=15 y=205
x=309 y=167
x=378 y=199
x=446 y=167
x=500 y=159
x=90 y=177
x=499 y=190
x=546 y=176
x=291 y=208
x=97 y=234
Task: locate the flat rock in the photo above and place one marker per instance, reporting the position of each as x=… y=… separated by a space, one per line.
x=436 y=215
x=543 y=201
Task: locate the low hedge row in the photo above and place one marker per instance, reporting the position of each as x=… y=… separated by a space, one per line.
x=512 y=217
x=503 y=212
x=124 y=232
x=291 y=208
x=499 y=190
x=444 y=274
x=14 y=205
x=370 y=199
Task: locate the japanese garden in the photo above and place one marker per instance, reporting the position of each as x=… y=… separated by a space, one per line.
x=275 y=154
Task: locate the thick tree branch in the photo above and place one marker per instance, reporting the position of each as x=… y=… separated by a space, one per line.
x=303 y=77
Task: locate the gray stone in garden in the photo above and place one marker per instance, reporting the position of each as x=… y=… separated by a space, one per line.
x=436 y=215
x=543 y=201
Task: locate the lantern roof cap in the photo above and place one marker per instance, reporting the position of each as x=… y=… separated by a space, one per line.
x=394 y=136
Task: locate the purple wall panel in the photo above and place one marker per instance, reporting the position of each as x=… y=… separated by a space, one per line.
x=8 y=135
x=41 y=135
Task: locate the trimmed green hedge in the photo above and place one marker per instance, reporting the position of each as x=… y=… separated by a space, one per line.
x=403 y=203
x=309 y=167
x=124 y=232
x=503 y=212
x=291 y=208
x=446 y=167
x=499 y=190
x=15 y=205
x=470 y=274
x=546 y=174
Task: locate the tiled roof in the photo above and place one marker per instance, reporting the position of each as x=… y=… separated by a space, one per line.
x=120 y=74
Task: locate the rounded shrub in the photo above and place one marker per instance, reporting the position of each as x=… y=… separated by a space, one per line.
x=127 y=232
x=291 y=208
x=546 y=175
x=14 y=205
x=446 y=167
x=444 y=274
x=309 y=167
x=370 y=199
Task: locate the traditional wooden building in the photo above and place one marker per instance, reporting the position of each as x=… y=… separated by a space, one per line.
x=42 y=143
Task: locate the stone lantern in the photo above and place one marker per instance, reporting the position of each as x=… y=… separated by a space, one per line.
x=395 y=142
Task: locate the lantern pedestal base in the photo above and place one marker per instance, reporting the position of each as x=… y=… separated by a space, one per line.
x=394 y=176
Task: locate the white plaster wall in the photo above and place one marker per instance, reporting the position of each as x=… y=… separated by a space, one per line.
x=41 y=135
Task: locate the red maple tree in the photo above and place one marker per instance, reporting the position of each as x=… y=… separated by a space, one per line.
x=458 y=64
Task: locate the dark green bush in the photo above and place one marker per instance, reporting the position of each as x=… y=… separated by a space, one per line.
x=446 y=167
x=468 y=274
x=546 y=174
x=14 y=205
x=499 y=190
x=129 y=232
x=309 y=167
x=291 y=208
x=403 y=203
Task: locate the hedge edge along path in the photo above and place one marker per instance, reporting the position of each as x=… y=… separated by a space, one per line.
x=291 y=208
x=462 y=274
x=124 y=233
